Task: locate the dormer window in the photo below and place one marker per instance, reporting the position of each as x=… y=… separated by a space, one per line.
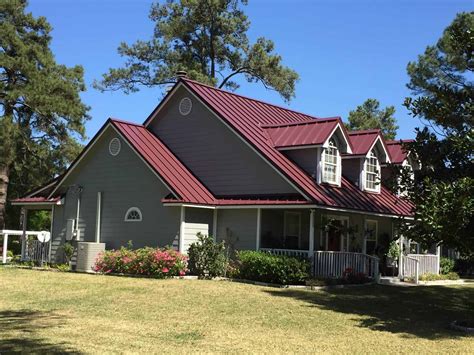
x=331 y=164
x=372 y=172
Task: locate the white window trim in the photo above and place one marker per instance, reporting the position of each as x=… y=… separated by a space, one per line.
x=338 y=167
x=133 y=220
x=376 y=233
x=286 y=214
x=377 y=175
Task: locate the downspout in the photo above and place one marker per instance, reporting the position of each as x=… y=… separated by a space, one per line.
x=98 y=217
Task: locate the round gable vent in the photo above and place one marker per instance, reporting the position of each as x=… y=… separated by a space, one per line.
x=114 y=146
x=185 y=106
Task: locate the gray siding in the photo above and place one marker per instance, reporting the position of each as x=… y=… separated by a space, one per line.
x=305 y=158
x=221 y=160
x=125 y=181
x=238 y=228
x=351 y=169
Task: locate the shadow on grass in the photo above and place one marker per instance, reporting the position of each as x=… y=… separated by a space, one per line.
x=18 y=332
x=424 y=312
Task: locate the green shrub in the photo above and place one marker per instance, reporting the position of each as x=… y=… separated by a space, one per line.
x=464 y=265
x=68 y=250
x=265 y=267
x=446 y=265
x=62 y=267
x=160 y=263
x=436 y=277
x=207 y=258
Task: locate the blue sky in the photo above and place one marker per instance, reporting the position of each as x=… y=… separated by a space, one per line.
x=344 y=51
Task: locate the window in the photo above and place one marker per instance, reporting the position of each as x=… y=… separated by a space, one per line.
x=372 y=173
x=370 y=236
x=331 y=164
x=292 y=230
x=133 y=215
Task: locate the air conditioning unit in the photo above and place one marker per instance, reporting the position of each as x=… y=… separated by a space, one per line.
x=87 y=253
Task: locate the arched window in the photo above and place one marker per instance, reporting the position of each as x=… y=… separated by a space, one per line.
x=331 y=163
x=133 y=215
x=372 y=173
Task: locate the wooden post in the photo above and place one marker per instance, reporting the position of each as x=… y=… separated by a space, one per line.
x=417 y=271
x=438 y=254
x=5 y=245
x=259 y=217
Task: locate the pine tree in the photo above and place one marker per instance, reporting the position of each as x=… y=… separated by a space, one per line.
x=370 y=116
x=42 y=114
x=208 y=40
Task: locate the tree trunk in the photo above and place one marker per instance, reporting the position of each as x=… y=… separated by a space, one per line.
x=3 y=193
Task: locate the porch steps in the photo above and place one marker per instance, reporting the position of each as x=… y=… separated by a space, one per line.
x=394 y=281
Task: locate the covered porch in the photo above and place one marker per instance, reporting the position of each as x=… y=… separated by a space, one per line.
x=334 y=241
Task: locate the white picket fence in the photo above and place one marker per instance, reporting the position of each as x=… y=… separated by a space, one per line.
x=415 y=265
x=333 y=264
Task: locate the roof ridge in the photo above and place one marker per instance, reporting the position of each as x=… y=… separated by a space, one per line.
x=248 y=98
x=365 y=131
x=315 y=120
x=398 y=141
x=118 y=120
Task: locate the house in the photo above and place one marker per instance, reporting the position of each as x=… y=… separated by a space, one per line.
x=256 y=175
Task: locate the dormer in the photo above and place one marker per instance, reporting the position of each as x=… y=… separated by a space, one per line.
x=315 y=145
x=364 y=165
x=400 y=158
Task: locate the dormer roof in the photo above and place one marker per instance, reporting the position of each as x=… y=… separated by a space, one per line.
x=364 y=141
x=395 y=147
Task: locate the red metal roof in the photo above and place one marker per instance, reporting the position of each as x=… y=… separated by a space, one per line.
x=397 y=153
x=362 y=141
x=248 y=117
x=164 y=163
x=314 y=132
x=33 y=200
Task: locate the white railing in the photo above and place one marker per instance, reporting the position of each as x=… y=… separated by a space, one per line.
x=333 y=264
x=6 y=233
x=428 y=263
x=410 y=267
x=287 y=252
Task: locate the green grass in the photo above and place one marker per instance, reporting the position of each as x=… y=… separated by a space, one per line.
x=66 y=312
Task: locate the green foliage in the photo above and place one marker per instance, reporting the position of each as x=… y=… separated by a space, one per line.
x=446 y=265
x=443 y=189
x=159 y=263
x=68 y=250
x=277 y=269
x=370 y=116
x=207 y=39
x=393 y=250
x=465 y=265
x=62 y=267
x=207 y=259
x=42 y=112
x=436 y=277
x=39 y=220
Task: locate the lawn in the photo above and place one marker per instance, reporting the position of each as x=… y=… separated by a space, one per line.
x=66 y=312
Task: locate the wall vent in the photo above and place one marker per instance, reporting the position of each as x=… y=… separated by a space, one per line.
x=114 y=146
x=185 y=106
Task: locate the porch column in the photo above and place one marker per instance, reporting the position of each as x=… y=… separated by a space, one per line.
x=181 y=229
x=438 y=254
x=214 y=224
x=51 y=234
x=311 y=233
x=400 y=258
x=259 y=218
x=24 y=223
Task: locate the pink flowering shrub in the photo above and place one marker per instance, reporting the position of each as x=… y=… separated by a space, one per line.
x=160 y=263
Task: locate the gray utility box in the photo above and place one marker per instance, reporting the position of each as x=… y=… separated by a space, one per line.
x=86 y=254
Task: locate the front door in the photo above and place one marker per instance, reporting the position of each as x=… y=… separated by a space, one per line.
x=334 y=238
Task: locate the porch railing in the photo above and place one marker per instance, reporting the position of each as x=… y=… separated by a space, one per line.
x=333 y=264
x=414 y=265
x=287 y=252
